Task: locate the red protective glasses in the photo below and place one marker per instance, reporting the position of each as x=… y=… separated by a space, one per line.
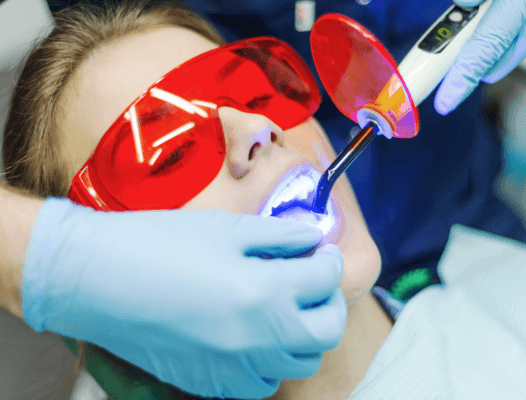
x=168 y=145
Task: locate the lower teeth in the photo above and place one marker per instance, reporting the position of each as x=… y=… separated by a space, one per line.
x=298 y=214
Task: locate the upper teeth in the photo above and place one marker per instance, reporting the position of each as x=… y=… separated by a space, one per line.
x=299 y=185
x=292 y=199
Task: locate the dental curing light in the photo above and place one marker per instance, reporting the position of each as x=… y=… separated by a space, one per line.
x=364 y=82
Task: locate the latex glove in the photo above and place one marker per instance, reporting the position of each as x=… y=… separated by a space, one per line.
x=184 y=295
x=496 y=47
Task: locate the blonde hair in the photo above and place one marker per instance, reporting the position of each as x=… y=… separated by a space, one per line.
x=32 y=154
x=31 y=148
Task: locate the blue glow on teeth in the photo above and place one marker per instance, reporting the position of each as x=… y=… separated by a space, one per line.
x=293 y=197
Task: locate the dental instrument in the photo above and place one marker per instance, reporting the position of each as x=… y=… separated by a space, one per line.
x=366 y=85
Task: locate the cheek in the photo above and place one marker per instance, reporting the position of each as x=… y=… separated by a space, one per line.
x=214 y=196
x=311 y=149
x=360 y=254
x=362 y=263
x=224 y=193
x=76 y=146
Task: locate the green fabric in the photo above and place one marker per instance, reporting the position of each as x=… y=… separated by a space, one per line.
x=412 y=282
x=122 y=381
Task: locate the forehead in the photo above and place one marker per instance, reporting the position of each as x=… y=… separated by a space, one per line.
x=111 y=78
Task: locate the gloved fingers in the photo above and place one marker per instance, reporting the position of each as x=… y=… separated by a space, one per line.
x=236 y=376
x=323 y=326
x=468 y=3
x=509 y=61
x=283 y=365
x=213 y=374
x=494 y=35
x=273 y=237
x=316 y=277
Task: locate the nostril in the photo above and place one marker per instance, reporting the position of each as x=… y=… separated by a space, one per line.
x=273 y=137
x=253 y=149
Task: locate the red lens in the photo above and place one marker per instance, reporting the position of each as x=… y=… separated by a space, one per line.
x=169 y=145
x=170 y=159
x=263 y=74
x=358 y=71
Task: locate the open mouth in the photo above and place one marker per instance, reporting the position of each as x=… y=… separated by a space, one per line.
x=293 y=196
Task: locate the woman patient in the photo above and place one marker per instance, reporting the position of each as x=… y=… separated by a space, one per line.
x=236 y=145
x=92 y=67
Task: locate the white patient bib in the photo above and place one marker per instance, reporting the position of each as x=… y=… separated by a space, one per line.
x=464 y=340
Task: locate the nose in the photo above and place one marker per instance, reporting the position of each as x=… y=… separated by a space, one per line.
x=248 y=137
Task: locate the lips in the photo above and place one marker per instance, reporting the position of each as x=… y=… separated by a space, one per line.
x=293 y=196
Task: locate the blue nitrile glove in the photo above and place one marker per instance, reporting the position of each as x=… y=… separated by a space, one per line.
x=184 y=295
x=496 y=47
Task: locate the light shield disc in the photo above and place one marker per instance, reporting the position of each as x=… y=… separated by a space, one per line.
x=358 y=72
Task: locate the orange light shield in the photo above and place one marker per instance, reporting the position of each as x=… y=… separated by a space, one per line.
x=358 y=72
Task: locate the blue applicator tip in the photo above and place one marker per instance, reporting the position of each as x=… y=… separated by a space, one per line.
x=340 y=164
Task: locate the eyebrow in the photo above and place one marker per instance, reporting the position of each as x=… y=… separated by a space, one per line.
x=228 y=69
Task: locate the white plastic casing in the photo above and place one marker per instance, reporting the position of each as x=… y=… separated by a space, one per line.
x=422 y=71
x=367 y=115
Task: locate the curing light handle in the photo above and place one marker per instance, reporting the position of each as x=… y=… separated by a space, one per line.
x=432 y=56
x=342 y=162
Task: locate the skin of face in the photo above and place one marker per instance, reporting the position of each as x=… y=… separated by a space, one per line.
x=115 y=75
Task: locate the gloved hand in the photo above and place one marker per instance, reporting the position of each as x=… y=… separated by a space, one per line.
x=185 y=295
x=496 y=47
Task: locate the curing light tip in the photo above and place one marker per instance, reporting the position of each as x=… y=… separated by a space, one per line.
x=340 y=164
